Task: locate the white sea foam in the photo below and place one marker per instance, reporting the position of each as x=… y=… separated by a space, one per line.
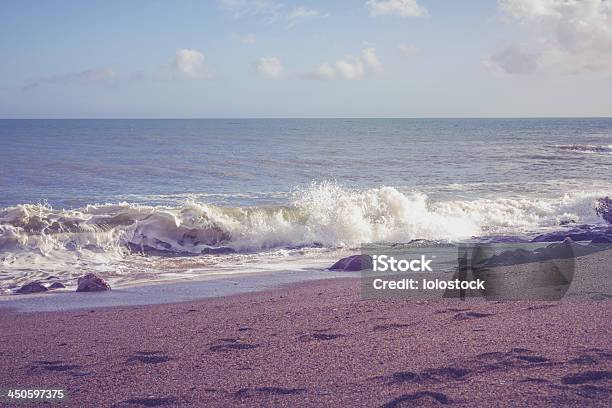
x=585 y=148
x=37 y=240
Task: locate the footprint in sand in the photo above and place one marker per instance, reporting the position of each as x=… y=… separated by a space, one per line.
x=55 y=365
x=586 y=377
x=431 y=375
x=391 y=326
x=471 y=315
x=418 y=399
x=151 y=402
x=231 y=343
x=319 y=337
x=149 y=357
x=451 y=310
x=233 y=346
x=532 y=359
x=251 y=392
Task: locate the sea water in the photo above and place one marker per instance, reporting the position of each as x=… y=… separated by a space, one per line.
x=145 y=200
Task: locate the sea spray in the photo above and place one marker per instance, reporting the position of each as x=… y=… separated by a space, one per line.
x=40 y=241
x=325 y=214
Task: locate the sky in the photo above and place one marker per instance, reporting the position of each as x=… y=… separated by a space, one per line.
x=305 y=58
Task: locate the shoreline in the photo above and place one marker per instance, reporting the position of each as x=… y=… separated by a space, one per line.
x=164 y=292
x=586 y=270
x=315 y=343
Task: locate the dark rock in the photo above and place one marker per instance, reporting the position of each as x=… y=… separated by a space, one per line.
x=92 y=283
x=353 y=263
x=518 y=256
x=566 y=249
x=502 y=239
x=217 y=251
x=32 y=287
x=556 y=250
x=602 y=239
x=603 y=208
x=57 y=285
x=580 y=233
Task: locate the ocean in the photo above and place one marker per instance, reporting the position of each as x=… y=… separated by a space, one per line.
x=149 y=200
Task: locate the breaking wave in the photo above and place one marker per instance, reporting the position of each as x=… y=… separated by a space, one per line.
x=196 y=239
x=324 y=214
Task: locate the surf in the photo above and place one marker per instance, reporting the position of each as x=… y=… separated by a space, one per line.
x=131 y=242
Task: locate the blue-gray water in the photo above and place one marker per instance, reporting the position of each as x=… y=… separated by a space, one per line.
x=71 y=163
x=85 y=193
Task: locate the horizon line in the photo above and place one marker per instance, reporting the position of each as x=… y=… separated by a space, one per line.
x=298 y=117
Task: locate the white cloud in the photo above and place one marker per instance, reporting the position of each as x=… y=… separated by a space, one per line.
x=270 y=67
x=245 y=38
x=323 y=72
x=302 y=13
x=403 y=8
x=565 y=35
x=408 y=49
x=350 y=67
x=248 y=8
x=270 y=11
x=189 y=64
x=371 y=60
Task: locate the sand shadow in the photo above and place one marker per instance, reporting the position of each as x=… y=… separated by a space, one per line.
x=151 y=402
x=149 y=357
x=391 y=326
x=319 y=337
x=54 y=366
x=586 y=377
x=471 y=315
x=270 y=391
x=418 y=399
x=229 y=344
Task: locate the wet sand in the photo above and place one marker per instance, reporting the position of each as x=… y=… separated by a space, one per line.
x=315 y=344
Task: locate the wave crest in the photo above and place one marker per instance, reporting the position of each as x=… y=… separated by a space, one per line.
x=323 y=214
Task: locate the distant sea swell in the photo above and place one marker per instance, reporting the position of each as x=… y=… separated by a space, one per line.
x=584 y=148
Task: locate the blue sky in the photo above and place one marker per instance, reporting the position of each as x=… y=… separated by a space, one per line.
x=268 y=58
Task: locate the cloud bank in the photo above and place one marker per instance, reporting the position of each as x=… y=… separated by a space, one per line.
x=270 y=11
x=349 y=68
x=569 y=36
x=402 y=8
